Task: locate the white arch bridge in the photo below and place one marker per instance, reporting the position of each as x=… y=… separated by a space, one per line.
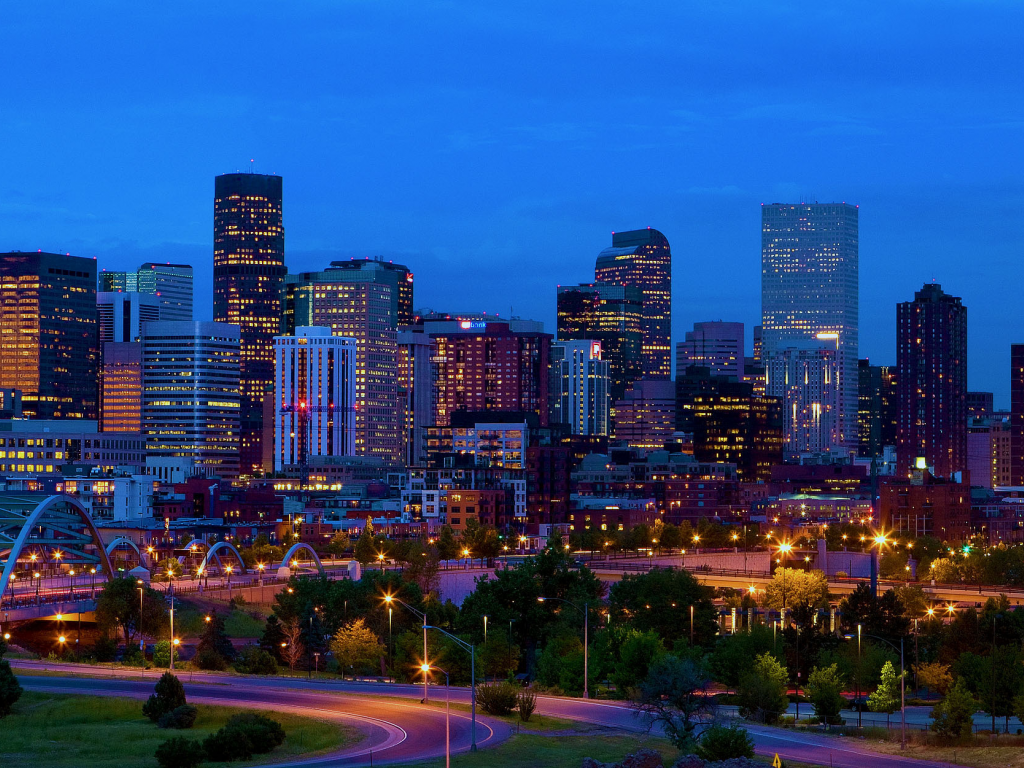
x=51 y=556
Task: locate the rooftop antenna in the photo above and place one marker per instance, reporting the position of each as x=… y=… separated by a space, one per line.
x=252 y=162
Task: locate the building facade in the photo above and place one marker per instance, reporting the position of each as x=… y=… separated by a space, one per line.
x=646 y=417
x=931 y=357
x=716 y=345
x=248 y=279
x=579 y=387
x=805 y=377
x=121 y=387
x=398 y=276
x=809 y=287
x=170 y=283
x=642 y=258
x=869 y=409
x=314 y=396
x=191 y=394
x=1017 y=414
x=609 y=314
x=121 y=315
x=50 y=338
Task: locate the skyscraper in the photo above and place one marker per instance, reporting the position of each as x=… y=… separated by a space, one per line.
x=1017 y=414
x=190 y=404
x=248 y=278
x=121 y=315
x=804 y=375
x=931 y=355
x=809 y=287
x=170 y=283
x=49 y=334
x=611 y=315
x=869 y=409
x=579 y=387
x=646 y=416
x=716 y=345
x=362 y=309
x=377 y=270
x=415 y=391
x=121 y=387
x=642 y=258
x=314 y=396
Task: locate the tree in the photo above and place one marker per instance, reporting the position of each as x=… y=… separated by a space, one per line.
x=725 y=743
x=447 y=546
x=365 y=550
x=953 y=717
x=636 y=655
x=886 y=698
x=273 y=639
x=825 y=690
x=934 y=677
x=356 y=647
x=10 y=689
x=676 y=696
x=763 y=690
x=168 y=695
x=1007 y=677
x=792 y=588
x=732 y=654
x=180 y=752
x=117 y=605
x=660 y=600
x=294 y=650
x=214 y=649
x=496 y=658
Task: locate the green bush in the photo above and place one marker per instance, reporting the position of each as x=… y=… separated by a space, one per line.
x=180 y=752
x=162 y=654
x=208 y=658
x=497 y=698
x=242 y=737
x=226 y=746
x=526 y=703
x=10 y=690
x=954 y=715
x=721 y=743
x=253 y=660
x=168 y=695
x=762 y=692
x=104 y=649
x=180 y=717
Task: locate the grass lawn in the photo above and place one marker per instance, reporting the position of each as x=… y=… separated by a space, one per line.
x=63 y=730
x=241 y=624
x=981 y=754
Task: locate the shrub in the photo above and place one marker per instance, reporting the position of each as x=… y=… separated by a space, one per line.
x=168 y=695
x=526 y=703
x=253 y=660
x=226 y=746
x=180 y=752
x=104 y=649
x=180 y=717
x=498 y=698
x=10 y=690
x=162 y=654
x=208 y=658
x=721 y=743
x=954 y=715
x=263 y=733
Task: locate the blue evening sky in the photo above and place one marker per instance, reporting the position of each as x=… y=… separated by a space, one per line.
x=494 y=147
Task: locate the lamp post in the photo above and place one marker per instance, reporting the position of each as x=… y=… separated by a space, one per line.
x=485 y=630
x=903 y=682
x=471 y=650
x=447 y=712
x=142 y=645
x=392 y=599
x=227 y=570
x=586 y=638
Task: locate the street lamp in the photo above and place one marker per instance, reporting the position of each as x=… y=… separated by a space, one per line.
x=471 y=650
x=586 y=637
x=392 y=599
x=447 y=712
x=261 y=567
x=142 y=646
x=227 y=570
x=903 y=682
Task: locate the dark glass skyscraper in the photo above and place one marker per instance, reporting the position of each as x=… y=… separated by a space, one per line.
x=642 y=258
x=49 y=334
x=613 y=315
x=248 y=281
x=1017 y=414
x=931 y=357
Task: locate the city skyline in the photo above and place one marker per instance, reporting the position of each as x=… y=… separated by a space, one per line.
x=925 y=144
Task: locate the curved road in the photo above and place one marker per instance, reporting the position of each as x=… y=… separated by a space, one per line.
x=398 y=729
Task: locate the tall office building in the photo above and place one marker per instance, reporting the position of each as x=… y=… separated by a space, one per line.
x=415 y=391
x=121 y=387
x=1017 y=414
x=646 y=417
x=170 y=283
x=121 y=315
x=980 y=405
x=488 y=366
x=869 y=409
x=989 y=451
x=314 y=396
x=579 y=387
x=804 y=376
x=191 y=393
x=890 y=427
x=809 y=287
x=48 y=333
x=611 y=315
x=716 y=345
x=377 y=270
x=248 y=278
x=931 y=355
x=365 y=311
x=642 y=258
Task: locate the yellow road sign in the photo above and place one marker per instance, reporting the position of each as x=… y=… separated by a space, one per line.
x=776 y=763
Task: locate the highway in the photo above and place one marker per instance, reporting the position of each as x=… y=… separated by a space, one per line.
x=398 y=729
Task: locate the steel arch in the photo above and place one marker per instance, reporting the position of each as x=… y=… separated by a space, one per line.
x=295 y=548
x=20 y=513
x=125 y=540
x=212 y=552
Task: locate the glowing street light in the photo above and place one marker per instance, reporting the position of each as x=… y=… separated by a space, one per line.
x=447 y=712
